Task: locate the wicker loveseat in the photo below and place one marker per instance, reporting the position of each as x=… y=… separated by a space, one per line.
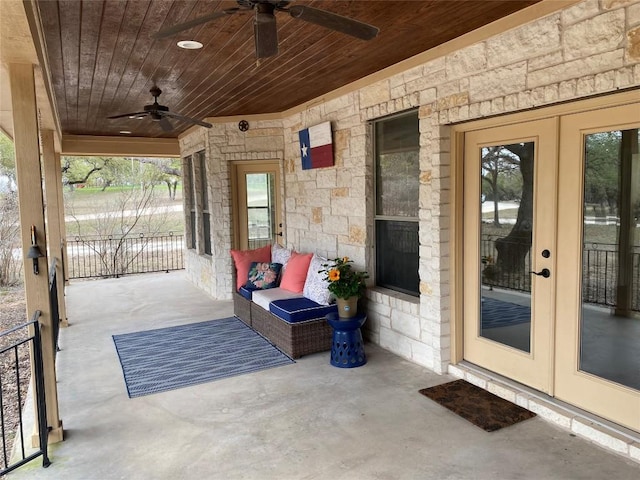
x=295 y=339
x=286 y=317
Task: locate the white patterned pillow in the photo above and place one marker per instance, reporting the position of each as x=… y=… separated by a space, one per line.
x=280 y=255
x=315 y=287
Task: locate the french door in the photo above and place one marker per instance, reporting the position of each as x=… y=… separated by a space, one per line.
x=552 y=257
x=256 y=187
x=507 y=236
x=598 y=355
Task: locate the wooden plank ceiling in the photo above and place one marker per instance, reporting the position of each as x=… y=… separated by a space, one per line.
x=103 y=60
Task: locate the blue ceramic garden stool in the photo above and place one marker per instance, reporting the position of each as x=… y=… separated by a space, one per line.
x=347 y=347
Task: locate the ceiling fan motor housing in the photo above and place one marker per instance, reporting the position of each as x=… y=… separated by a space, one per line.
x=278 y=4
x=160 y=113
x=264 y=13
x=156 y=107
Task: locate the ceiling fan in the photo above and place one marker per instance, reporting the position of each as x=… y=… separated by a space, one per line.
x=265 y=29
x=160 y=113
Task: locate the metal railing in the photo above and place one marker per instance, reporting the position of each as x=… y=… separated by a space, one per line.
x=519 y=279
x=10 y=379
x=599 y=272
x=53 y=304
x=104 y=257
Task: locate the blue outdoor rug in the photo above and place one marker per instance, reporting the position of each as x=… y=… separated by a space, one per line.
x=168 y=358
x=496 y=313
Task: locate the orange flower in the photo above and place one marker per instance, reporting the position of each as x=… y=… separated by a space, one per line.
x=345 y=259
x=334 y=275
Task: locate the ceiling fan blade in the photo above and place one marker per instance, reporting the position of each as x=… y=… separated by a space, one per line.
x=265 y=33
x=165 y=124
x=186 y=119
x=334 y=21
x=167 y=32
x=131 y=115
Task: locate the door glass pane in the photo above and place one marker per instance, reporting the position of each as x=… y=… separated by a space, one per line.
x=610 y=317
x=506 y=201
x=260 y=209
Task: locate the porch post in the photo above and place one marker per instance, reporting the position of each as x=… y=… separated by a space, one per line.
x=63 y=227
x=53 y=188
x=28 y=173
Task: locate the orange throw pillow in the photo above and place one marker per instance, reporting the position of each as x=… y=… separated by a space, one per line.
x=243 y=260
x=295 y=274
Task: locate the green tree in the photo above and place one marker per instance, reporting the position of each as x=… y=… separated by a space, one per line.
x=82 y=170
x=7 y=161
x=498 y=164
x=602 y=170
x=165 y=170
x=120 y=171
x=513 y=248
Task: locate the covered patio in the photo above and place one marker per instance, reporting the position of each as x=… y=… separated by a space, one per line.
x=305 y=420
x=68 y=71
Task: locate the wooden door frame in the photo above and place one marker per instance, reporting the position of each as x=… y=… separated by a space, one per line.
x=259 y=166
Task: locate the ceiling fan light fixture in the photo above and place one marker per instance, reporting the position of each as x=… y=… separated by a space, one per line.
x=189 y=44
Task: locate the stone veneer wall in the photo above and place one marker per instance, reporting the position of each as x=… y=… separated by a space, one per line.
x=590 y=48
x=223 y=144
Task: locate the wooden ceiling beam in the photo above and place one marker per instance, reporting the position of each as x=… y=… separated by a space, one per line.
x=85 y=145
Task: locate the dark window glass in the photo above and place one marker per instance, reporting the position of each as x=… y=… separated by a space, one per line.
x=203 y=181
x=397 y=142
x=206 y=223
x=206 y=228
x=397 y=255
x=190 y=201
x=192 y=216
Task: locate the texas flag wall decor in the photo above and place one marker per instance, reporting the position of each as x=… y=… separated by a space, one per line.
x=316 y=146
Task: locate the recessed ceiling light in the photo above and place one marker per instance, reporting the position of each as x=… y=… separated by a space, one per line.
x=189 y=44
x=125 y=132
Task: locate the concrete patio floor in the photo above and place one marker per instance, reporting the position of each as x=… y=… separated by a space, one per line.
x=306 y=420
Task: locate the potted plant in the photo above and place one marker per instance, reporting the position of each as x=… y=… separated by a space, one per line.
x=346 y=284
x=489 y=271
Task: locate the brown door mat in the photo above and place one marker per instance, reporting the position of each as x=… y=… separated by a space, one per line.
x=476 y=405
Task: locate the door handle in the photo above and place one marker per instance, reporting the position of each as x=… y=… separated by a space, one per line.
x=545 y=272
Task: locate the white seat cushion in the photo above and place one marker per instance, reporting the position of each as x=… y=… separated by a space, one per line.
x=265 y=297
